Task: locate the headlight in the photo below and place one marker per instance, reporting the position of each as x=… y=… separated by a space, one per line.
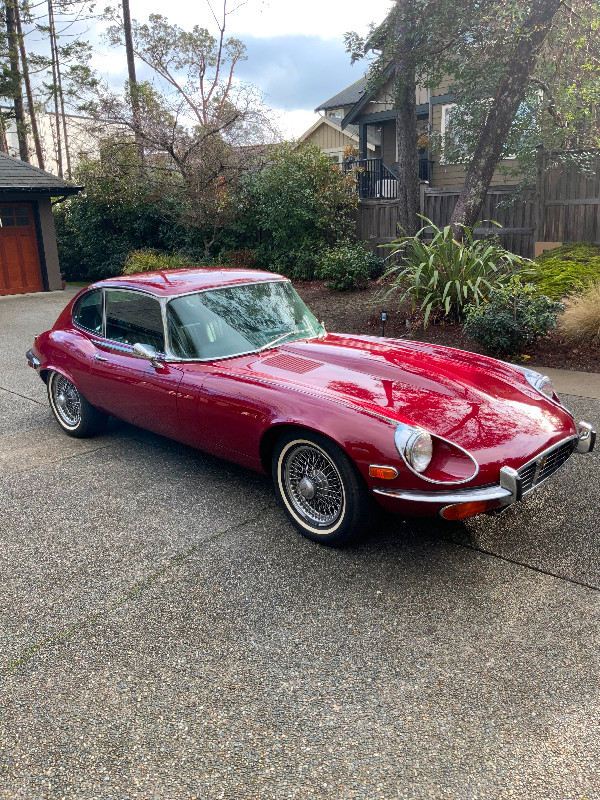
x=415 y=446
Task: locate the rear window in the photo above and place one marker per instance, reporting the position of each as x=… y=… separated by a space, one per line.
x=88 y=312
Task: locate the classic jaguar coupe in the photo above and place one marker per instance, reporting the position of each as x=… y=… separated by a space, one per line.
x=233 y=362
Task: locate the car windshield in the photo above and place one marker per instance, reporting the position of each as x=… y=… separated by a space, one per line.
x=238 y=319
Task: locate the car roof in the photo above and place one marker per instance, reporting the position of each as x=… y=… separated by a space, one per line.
x=172 y=282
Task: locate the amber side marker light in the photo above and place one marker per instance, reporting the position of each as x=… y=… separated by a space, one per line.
x=464 y=510
x=383 y=473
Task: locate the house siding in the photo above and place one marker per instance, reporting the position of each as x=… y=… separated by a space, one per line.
x=327 y=138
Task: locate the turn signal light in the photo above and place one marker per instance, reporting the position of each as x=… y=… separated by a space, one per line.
x=464 y=510
x=383 y=473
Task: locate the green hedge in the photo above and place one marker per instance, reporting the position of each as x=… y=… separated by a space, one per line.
x=566 y=269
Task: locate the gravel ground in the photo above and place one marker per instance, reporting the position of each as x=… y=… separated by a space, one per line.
x=164 y=633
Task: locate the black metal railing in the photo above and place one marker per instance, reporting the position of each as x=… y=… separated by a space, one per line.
x=375 y=181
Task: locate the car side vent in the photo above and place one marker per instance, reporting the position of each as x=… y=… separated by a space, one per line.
x=291 y=363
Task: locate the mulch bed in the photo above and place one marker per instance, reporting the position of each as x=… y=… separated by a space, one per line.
x=360 y=312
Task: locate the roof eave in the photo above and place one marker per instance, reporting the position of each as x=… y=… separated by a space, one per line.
x=367 y=96
x=53 y=191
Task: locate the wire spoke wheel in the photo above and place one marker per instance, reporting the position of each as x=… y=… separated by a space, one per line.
x=66 y=401
x=313 y=485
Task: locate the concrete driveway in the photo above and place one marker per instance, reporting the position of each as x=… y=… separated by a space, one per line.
x=166 y=634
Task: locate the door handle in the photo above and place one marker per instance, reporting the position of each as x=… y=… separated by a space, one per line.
x=98 y=357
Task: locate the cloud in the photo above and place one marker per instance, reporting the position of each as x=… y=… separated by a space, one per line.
x=297 y=72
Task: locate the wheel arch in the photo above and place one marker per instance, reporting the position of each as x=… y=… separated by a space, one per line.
x=48 y=368
x=272 y=434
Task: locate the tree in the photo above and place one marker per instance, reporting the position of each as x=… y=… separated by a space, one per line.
x=415 y=45
x=194 y=120
x=14 y=84
x=59 y=71
x=507 y=96
x=510 y=63
x=559 y=111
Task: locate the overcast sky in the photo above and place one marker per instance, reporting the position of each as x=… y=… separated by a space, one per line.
x=295 y=50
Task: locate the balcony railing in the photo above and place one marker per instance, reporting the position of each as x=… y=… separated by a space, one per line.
x=375 y=181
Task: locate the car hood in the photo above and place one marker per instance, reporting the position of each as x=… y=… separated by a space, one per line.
x=467 y=398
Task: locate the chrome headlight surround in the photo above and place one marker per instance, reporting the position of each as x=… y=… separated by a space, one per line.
x=415 y=445
x=412 y=441
x=542 y=384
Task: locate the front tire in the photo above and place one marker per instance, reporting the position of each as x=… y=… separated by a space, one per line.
x=71 y=410
x=320 y=489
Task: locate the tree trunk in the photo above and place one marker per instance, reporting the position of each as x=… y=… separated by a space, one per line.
x=25 y=66
x=3 y=142
x=135 y=106
x=507 y=99
x=405 y=104
x=59 y=160
x=13 y=49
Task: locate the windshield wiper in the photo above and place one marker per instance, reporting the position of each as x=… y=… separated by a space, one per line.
x=282 y=336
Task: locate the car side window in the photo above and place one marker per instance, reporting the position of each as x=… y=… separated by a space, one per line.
x=88 y=312
x=134 y=318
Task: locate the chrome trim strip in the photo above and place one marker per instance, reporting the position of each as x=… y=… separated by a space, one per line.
x=448 y=498
x=400 y=447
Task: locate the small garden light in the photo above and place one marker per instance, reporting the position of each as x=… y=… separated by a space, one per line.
x=383 y=319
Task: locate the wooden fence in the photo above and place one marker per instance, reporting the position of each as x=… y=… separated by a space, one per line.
x=564 y=207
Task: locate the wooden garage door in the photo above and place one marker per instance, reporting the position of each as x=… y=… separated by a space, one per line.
x=20 y=269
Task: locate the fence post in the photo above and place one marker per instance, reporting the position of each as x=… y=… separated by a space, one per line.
x=423 y=185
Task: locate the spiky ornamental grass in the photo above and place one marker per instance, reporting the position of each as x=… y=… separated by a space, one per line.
x=442 y=275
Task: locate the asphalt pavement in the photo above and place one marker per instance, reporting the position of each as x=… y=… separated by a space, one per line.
x=165 y=633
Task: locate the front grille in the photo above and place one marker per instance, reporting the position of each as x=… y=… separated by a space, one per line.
x=539 y=470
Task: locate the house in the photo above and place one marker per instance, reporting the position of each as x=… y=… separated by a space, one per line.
x=81 y=133
x=327 y=132
x=28 y=253
x=369 y=114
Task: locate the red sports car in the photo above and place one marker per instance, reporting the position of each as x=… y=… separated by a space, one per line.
x=234 y=363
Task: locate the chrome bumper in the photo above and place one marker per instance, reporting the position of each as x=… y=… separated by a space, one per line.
x=31 y=359
x=509 y=490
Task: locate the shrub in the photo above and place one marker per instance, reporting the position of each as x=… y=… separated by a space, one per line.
x=296 y=206
x=566 y=269
x=148 y=260
x=345 y=267
x=122 y=209
x=442 y=276
x=581 y=320
x=514 y=316
x=241 y=259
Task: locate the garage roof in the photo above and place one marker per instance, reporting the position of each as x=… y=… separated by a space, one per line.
x=16 y=175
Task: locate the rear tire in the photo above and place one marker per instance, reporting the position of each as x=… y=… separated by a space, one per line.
x=71 y=410
x=320 y=489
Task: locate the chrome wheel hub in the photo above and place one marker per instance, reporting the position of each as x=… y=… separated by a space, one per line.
x=306 y=488
x=313 y=485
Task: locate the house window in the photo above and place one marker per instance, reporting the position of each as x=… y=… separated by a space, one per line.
x=335 y=113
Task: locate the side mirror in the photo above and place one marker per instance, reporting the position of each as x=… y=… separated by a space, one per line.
x=146 y=351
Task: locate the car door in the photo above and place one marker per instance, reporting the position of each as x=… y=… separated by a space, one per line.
x=134 y=389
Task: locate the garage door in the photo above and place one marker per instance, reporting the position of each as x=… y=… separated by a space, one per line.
x=20 y=269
